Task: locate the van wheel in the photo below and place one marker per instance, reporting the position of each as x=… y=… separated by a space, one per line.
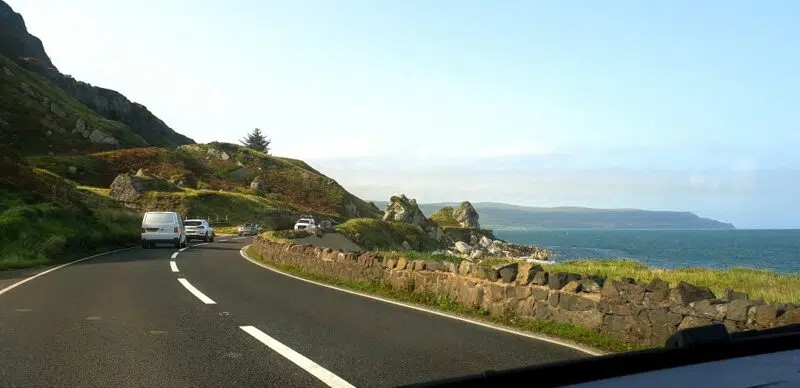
x=184 y=244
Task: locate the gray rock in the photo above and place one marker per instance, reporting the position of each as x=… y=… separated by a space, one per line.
x=540 y=278
x=686 y=293
x=258 y=185
x=485 y=242
x=714 y=309
x=476 y=254
x=690 y=321
x=738 y=309
x=558 y=280
x=462 y=247
x=72 y=169
x=405 y=210
x=99 y=137
x=466 y=215
x=219 y=154
x=406 y=246
x=730 y=294
x=592 y=283
x=573 y=286
x=575 y=303
x=508 y=272
x=657 y=284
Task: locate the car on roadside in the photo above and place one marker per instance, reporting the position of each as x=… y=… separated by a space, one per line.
x=163 y=227
x=248 y=229
x=199 y=230
x=305 y=224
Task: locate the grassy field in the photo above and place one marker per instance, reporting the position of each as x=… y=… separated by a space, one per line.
x=447 y=304
x=374 y=234
x=758 y=283
x=42 y=233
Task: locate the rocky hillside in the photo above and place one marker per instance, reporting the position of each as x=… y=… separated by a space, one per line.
x=216 y=166
x=24 y=96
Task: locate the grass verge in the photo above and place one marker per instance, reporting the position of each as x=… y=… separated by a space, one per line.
x=374 y=234
x=773 y=287
x=446 y=304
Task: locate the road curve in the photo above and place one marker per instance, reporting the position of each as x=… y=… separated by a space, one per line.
x=211 y=318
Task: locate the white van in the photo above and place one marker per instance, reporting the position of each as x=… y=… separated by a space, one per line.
x=163 y=227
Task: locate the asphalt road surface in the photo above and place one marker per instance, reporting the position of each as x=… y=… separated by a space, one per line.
x=206 y=317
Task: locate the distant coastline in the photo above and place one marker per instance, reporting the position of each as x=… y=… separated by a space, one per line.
x=502 y=216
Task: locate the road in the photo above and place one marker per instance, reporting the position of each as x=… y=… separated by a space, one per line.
x=206 y=317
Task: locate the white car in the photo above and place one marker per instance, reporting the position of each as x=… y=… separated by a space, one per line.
x=200 y=230
x=306 y=224
x=163 y=227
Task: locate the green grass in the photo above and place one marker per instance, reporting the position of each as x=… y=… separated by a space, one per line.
x=447 y=304
x=444 y=217
x=374 y=234
x=765 y=284
x=44 y=232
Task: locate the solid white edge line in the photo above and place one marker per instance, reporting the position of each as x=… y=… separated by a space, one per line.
x=23 y=281
x=173 y=266
x=298 y=359
x=174 y=255
x=586 y=350
x=203 y=298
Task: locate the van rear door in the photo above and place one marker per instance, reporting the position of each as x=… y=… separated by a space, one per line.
x=159 y=223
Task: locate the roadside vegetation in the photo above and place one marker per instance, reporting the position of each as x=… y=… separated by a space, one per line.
x=374 y=234
x=446 y=304
x=444 y=218
x=773 y=287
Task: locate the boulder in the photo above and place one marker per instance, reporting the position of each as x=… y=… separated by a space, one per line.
x=258 y=184
x=592 y=283
x=558 y=280
x=462 y=247
x=406 y=246
x=402 y=209
x=485 y=242
x=466 y=215
x=476 y=254
x=126 y=188
x=686 y=293
x=56 y=110
x=80 y=128
x=730 y=294
x=507 y=272
x=540 y=278
x=99 y=137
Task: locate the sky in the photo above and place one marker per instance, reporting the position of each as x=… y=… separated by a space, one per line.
x=663 y=105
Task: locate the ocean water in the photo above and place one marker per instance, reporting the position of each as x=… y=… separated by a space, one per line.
x=778 y=250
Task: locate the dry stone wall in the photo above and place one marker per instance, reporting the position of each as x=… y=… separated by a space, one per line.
x=636 y=313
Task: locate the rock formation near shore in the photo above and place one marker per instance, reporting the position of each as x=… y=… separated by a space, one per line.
x=401 y=208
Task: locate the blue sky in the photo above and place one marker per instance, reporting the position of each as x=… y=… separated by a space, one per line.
x=675 y=105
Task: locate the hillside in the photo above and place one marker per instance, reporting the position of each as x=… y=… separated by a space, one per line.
x=500 y=216
x=45 y=219
x=40 y=102
x=238 y=171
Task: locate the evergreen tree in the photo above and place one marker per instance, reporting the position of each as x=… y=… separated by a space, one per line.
x=256 y=141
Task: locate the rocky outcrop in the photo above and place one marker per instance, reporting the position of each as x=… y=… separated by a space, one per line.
x=466 y=215
x=642 y=314
x=402 y=209
x=128 y=188
x=27 y=51
x=485 y=247
x=258 y=184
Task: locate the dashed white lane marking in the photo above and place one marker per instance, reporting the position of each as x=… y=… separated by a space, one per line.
x=21 y=282
x=222 y=240
x=173 y=266
x=577 y=347
x=197 y=245
x=183 y=249
x=309 y=366
x=239 y=238
x=174 y=255
x=203 y=298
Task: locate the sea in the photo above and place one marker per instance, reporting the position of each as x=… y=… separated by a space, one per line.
x=777 y=250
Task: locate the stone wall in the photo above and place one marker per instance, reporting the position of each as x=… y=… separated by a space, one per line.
x=635 y=313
